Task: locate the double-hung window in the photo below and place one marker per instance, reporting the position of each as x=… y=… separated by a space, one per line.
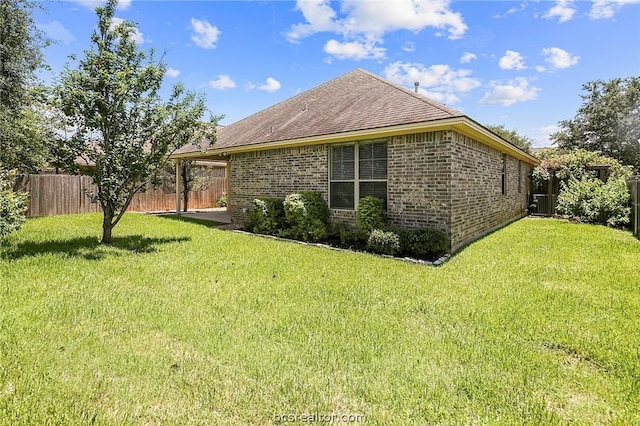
x=357 y=170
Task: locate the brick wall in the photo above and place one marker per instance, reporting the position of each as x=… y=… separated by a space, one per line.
x=418 y=173
x=275 y=173
x=438 y=179
x=477 y=202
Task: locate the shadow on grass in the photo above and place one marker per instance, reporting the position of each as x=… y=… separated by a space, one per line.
x=207 y=223
x=89 y=247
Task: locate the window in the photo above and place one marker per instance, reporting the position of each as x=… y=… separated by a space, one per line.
x=504 y=174
x=357 y=170
x=519 y=176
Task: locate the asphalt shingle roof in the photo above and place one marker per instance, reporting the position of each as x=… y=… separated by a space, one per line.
x=357 y=100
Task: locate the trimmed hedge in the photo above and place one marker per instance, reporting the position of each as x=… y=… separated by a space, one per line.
x=385 y=242
x=307 y=216
x=370 y=213
x=421 y=242
x=267 y=216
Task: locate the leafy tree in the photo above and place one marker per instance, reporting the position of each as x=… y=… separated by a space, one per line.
x=575 y=164
x=582 y=194
x=23 y=135
x=12 y=207
x=116 y=119
x=608 y=121
x=521 y=141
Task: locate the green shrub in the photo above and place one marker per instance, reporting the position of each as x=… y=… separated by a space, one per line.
x=307 y=216
x=222 y=200
x=427 y=242
x=370 y=213
x=385 y=242
x=347 y=234
x=593 y=201
x=13 y=206
x=267 y=216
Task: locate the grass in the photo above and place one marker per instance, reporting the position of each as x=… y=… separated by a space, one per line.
x=178 y=323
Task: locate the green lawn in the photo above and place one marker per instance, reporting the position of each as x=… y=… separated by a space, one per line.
x=179 y=323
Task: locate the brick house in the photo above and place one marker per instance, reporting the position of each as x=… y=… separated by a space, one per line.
x=360 y=135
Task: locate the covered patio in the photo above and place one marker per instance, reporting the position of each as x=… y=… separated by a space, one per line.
x=178 y=157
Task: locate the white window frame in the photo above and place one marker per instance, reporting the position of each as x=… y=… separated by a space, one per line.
x=356 y=177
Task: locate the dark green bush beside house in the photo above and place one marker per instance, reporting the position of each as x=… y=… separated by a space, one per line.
x=370 y=213
x=267 y=216
x=307 y=216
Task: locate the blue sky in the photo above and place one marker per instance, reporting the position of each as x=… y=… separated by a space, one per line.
x=521 y=64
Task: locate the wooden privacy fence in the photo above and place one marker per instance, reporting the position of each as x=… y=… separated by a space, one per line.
x=66 y=194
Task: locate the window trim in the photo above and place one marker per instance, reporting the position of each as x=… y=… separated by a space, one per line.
x=356 y=167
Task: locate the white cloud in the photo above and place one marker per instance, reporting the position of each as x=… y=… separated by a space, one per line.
x=468 y=57
x=92 y=4
x=204 y=34
x=512 y=61
x=439 y=82
x=409 y=46
x=354 y=50
x=558 y=58
x=172 y=73
x=603 y=9
x=513 y=10
x=272 y=85
x=319 y=15
x=56 y=31
x=563 y=10
x=222 y=82
x=135 y=35
x=374 y=18
x=514 y=91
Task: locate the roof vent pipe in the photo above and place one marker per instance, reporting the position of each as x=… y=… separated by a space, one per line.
x=415 y=85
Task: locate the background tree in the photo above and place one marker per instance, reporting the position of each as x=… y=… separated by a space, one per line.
x=582 y=194
x=116 y=119
x=12 y=207
x=521 y=141
x=608 y=121
x=22 y=138
x=23 y=135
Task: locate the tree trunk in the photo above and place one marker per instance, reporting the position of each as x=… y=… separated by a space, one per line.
x=185 y=186
x=107 y=226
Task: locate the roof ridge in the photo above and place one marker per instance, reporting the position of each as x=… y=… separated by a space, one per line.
x=422 y=98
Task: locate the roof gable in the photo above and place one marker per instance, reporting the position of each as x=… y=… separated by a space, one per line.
x=354 y=101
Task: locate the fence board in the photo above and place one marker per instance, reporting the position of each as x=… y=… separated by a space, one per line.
x=51 y=195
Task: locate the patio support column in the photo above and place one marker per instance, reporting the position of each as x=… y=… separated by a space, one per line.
x=178 y=188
